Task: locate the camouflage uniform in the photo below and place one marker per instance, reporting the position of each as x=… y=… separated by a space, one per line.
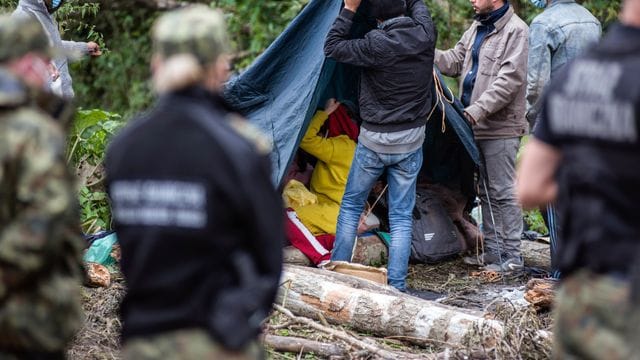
x=591 y=320
x=40 y=247
x=185 y=344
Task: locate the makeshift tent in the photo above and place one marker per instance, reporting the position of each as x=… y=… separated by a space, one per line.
x=283 y=88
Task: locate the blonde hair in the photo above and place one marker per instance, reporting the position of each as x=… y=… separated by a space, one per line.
x=177 y=72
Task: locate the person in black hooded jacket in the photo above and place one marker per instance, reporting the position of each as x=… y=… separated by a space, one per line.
x=584 y=156
x=199 y=222
x=395 y=100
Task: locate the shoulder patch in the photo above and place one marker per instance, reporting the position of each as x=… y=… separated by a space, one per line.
x=244 y=128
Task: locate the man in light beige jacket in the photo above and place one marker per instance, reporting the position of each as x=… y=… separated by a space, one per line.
x=491 y=59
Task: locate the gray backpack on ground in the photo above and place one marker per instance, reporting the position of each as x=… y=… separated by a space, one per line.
x=434 y=237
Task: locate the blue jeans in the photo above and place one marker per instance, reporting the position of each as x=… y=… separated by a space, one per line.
x=402 y=172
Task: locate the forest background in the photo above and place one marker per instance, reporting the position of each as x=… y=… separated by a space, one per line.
x=114 y=87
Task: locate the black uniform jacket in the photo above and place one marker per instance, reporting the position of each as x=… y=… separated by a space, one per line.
x=188 y=193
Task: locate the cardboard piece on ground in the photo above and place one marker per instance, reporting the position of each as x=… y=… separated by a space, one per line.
x=378 y=275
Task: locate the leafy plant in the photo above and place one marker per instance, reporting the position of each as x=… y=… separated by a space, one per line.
x=95 y=210
x=88 y=139
x=89 y=134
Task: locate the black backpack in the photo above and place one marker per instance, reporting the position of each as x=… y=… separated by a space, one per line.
x=434 y=236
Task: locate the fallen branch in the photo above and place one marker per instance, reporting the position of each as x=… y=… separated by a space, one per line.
x=374 y=350
x=301 y=345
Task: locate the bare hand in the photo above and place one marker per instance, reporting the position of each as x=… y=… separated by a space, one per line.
x=53 y=71
x=94 y=49
x=352 y=5
x=470 y=119
x=331 y=106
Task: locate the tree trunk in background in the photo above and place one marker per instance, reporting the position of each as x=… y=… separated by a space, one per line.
x=381 y=310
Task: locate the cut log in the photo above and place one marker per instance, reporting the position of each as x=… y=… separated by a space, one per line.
x=301 y=345
x=377 y=309
x=540 y=293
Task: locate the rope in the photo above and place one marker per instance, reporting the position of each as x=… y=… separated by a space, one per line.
x=376 y=202
x=440 y=99
x=362 y=220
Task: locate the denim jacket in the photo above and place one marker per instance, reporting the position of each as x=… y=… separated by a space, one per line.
x=556 y=36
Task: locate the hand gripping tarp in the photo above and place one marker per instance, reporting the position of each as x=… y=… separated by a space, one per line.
x=283 y=88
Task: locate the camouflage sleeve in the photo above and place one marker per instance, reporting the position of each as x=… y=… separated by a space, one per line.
x=42 y=201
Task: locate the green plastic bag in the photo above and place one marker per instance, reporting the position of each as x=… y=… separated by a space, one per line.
x=100 y=250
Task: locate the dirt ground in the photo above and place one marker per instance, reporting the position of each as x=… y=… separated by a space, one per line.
x=457 y=284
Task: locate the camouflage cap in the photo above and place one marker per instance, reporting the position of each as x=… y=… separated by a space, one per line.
x=19 y=36
x=196 y=29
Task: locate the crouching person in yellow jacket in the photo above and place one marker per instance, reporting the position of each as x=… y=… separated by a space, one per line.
x=334 y=150
x=331 y=138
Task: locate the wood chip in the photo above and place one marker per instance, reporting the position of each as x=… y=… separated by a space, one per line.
x=487 y=276
x=540 y=293
x=98 y=275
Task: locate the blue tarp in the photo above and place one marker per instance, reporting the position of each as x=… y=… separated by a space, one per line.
x=283 y=88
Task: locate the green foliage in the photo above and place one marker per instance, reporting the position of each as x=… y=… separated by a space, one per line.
x=88 y=139
x=117 y=80
x=76 y=16
x=254 y=24
x=534 y=220
x=605 y=10
x=7 y=6
x=89 y=135
x=95 y=210
x=451 y=19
